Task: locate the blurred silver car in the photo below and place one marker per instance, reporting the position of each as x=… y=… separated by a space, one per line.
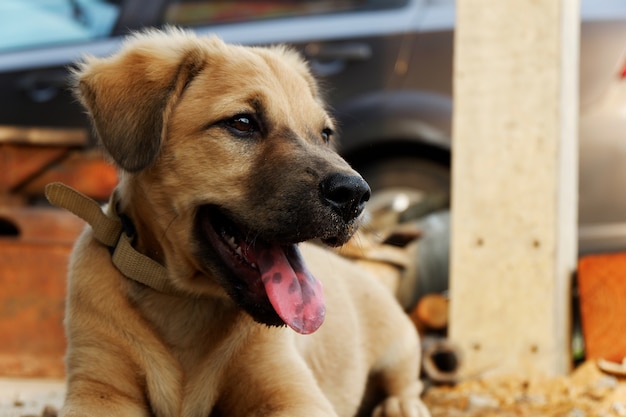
x=386 y=65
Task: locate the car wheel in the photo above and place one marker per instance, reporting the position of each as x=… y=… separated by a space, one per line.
x=402 y=171
x=410 y=187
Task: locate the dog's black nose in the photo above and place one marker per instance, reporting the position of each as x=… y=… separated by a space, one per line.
x=346 y=194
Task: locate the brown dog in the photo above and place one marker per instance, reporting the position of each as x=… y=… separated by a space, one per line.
x=226 y=163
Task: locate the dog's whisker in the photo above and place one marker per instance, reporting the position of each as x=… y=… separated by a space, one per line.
x=175 y=217
x=252 y=239
x=169 y=224
x=376 y=234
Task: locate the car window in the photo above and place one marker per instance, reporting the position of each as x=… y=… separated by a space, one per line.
x=201 y=12
x=33 y=23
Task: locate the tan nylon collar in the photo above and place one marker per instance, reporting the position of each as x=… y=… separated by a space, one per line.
x=109 y=230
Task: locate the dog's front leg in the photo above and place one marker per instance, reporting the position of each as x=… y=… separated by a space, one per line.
x=400 y=379
x=93 y=399
x=270 y=383
x=405 y=404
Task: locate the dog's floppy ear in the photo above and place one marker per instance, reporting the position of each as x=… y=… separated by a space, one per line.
x=131 y=94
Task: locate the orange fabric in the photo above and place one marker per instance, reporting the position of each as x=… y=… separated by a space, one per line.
x=602 y=288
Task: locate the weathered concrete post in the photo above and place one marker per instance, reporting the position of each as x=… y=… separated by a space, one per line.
x=514 y=216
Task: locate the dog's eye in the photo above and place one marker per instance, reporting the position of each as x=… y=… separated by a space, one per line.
x=242 y=125
x=326 y=134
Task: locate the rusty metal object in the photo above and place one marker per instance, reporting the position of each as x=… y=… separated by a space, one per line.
x=441 y=360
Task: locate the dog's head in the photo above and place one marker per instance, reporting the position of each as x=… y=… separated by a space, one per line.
x=227 y=162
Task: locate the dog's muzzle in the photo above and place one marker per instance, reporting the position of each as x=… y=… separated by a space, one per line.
x=259 y=264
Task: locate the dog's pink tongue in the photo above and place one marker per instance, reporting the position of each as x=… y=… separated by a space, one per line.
x=295 y=294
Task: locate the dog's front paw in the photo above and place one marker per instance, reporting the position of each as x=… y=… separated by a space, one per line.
x=404 y=406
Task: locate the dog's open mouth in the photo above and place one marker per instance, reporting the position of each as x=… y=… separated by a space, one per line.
x=272 y=271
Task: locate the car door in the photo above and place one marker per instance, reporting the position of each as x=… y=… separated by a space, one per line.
x=39 y=42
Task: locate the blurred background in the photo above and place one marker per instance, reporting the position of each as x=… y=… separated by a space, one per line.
x=386 y=67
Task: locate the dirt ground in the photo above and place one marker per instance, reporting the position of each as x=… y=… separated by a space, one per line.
x=587 y=392
x=30 y=397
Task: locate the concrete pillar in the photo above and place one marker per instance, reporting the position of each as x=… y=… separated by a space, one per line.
x=515 y=163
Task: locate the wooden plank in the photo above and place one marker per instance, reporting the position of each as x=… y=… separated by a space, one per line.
x=47 y=136
x=33 y=269
x=514 y=184
x=86 y=171
x=40 y=225
x=19 y=163
x=33 y=280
